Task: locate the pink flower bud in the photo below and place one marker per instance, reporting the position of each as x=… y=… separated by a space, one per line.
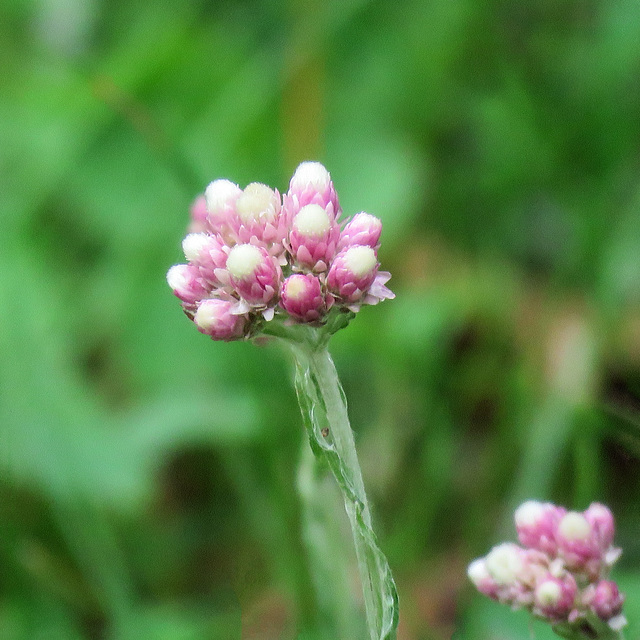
x=313 y=238
x=536 y=524
x=301 y=297
x=198 y=215
x=352 y=272
x=505 y=563
x=363 y=229
x=601 y=520
x=253 y=273
x=577 y=544
x=214 y=318
x=257 y=218
x=221 y=196
x=207 y=253
x=482 y=579
x=604 y=599
x=311 y=184
x=187 y=283
x=554 y=597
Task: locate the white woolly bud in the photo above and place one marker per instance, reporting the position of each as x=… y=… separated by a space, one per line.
x=219 y=193
x=504 y=563
x=529 y=513
x=360 y=260
x=243 y=260
x=312 y=173
x=194 y=244
x=574 y=526
x=477 y=571
x=548 y=594
x=256 y=202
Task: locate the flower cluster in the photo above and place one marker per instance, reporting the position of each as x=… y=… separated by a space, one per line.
x=253 y=255
x=560 y=573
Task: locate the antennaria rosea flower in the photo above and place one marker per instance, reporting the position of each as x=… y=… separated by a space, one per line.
x=561 y=573
x=261 y=265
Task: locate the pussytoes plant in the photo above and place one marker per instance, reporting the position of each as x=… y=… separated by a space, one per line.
x=260 y=265
x=560 y=573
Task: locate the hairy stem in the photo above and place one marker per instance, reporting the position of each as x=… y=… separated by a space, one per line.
x=324 y=410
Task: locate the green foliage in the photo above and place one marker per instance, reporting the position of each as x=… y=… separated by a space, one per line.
x=148 y=475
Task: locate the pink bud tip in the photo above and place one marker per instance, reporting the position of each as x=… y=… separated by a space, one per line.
x=311 y=184
x=604 y=599
x=364 y=229
x=554 y=597
x=187 y=283
x=221 y=196
x=601 y=520
x=313 y=238
x=578 y=543
x=254 y=273
x=257 y=218
x=352 y=272
x=536 y=524
x=481 y=578
x=301 y=297
x=215 y=318
x=205 y=252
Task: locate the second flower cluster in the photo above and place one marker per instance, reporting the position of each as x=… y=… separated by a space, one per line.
x=561 y=573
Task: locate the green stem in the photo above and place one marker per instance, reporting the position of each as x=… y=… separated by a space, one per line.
x=329 y=559
x=324 y=410
x=592 y=629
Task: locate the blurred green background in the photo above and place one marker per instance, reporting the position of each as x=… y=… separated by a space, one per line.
x=147 y=475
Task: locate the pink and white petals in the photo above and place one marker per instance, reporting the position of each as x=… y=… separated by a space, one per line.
x=240 y=242
x=602 y=524
x=258 y=219
x=554 y=597
x=221 y=196
x=215 y=318
x=352 y=272
x=311 y=184
x=254 y=274
x=536 y=524
x=604 y=599
x=187 y=283
x=302 y=298
x=363 y=229
x=208 y=254
x=313 y=238
x=561 y=574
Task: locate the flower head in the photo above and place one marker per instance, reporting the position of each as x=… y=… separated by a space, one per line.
x=187 y=283
x=560 y=574
x=254 y=257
